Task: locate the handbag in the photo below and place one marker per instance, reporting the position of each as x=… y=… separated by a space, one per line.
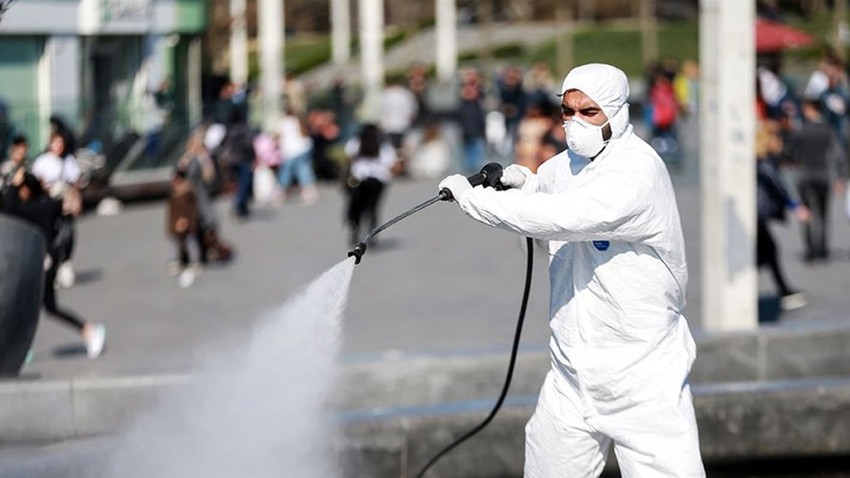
x=265 y=184
x=62 y=239
x=72 y=201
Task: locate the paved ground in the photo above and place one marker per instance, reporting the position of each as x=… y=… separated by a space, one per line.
x=436 y=283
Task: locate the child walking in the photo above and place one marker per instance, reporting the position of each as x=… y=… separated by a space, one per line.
x=183 y=223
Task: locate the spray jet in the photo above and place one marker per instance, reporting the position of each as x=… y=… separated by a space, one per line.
x=489 y=176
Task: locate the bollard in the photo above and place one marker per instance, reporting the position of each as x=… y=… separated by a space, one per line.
x=21 y=281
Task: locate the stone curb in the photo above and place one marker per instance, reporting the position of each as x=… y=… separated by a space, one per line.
x=38 y=411
x=784 y=419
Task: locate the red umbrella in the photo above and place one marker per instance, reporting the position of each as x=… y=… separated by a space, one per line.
x=772 y=37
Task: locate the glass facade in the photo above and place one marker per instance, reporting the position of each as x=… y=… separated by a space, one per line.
x=20 y=110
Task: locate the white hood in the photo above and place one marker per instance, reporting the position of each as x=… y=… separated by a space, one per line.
x=608 y=86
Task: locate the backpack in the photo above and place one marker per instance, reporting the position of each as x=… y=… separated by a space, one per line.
x=665 y=109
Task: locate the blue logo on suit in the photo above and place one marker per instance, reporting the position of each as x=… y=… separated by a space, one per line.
x=601 y=245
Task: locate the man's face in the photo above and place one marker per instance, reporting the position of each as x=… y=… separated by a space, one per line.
x=574 y=103
x=57 y=145
x=18 y=153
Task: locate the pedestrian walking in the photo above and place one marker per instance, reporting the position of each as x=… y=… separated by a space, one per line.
x=59 y=173
x=472 y=120
x=773 y=199
x=819 y=161
x=200 y=173
x=182 y=225
x=372 y=163
x=26 y=199
x=296 y=149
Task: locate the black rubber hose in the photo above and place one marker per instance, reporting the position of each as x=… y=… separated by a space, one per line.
x=517 y=334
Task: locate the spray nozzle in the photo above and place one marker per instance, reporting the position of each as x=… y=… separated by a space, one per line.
x=488 y=177
x=357 y=252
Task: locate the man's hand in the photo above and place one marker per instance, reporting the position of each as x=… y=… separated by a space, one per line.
x=181 y=225
x=18 y=178
x=457 y=184
x=515 y=176
x=840 y=186
x=802 y=213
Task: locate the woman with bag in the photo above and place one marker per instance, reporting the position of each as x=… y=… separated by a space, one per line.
x=773 y=199
x=58 y=171
x=199 y=169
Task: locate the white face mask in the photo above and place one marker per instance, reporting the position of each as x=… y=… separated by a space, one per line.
x=584 y=138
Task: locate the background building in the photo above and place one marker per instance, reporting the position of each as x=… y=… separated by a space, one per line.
x=110 y=68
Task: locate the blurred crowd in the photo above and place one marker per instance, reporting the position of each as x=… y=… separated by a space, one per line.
x=801 y=149
x=425 y=129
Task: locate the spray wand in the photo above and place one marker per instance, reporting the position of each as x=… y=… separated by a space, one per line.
x=489 y=176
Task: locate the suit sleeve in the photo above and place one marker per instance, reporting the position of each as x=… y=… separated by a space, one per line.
x=615 y=205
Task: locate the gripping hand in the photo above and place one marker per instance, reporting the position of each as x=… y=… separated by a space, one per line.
x=515 y=176
x=456 y=184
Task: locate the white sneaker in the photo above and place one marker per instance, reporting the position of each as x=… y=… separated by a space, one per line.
x=65 y=276
x=95 y=339
x=792 y=301
x=186 y=278
x=109 y=206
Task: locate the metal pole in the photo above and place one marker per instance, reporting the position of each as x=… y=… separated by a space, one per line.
x=446 y=39
x=727 y=162
x=564 y=38
x=485 y=19
x=372 y=56
x=841 y=30
x=194 y=76
x=340 y=31
x=648 y=31
x=271 y=59
x=238 y=42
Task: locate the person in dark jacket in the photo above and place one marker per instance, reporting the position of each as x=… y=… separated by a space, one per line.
x=819 y=160
x=238 y=149
x=27 y=200
x=183 y=215
x=773 y=200
x=471 y=117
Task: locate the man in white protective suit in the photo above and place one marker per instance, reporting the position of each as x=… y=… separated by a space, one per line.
x=621 y=350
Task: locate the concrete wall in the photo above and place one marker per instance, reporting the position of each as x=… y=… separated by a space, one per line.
x=736 y=424
x=781 y=392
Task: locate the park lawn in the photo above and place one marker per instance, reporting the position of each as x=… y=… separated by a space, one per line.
x=619 y=46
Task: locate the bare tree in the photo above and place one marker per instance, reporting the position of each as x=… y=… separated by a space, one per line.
x=5 y=5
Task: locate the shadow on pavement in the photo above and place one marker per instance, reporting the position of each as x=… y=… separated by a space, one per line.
x=88 y=276
x=769 y=309
x=68 y=351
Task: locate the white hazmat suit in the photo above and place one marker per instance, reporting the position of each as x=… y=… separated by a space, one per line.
x=620 y=347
